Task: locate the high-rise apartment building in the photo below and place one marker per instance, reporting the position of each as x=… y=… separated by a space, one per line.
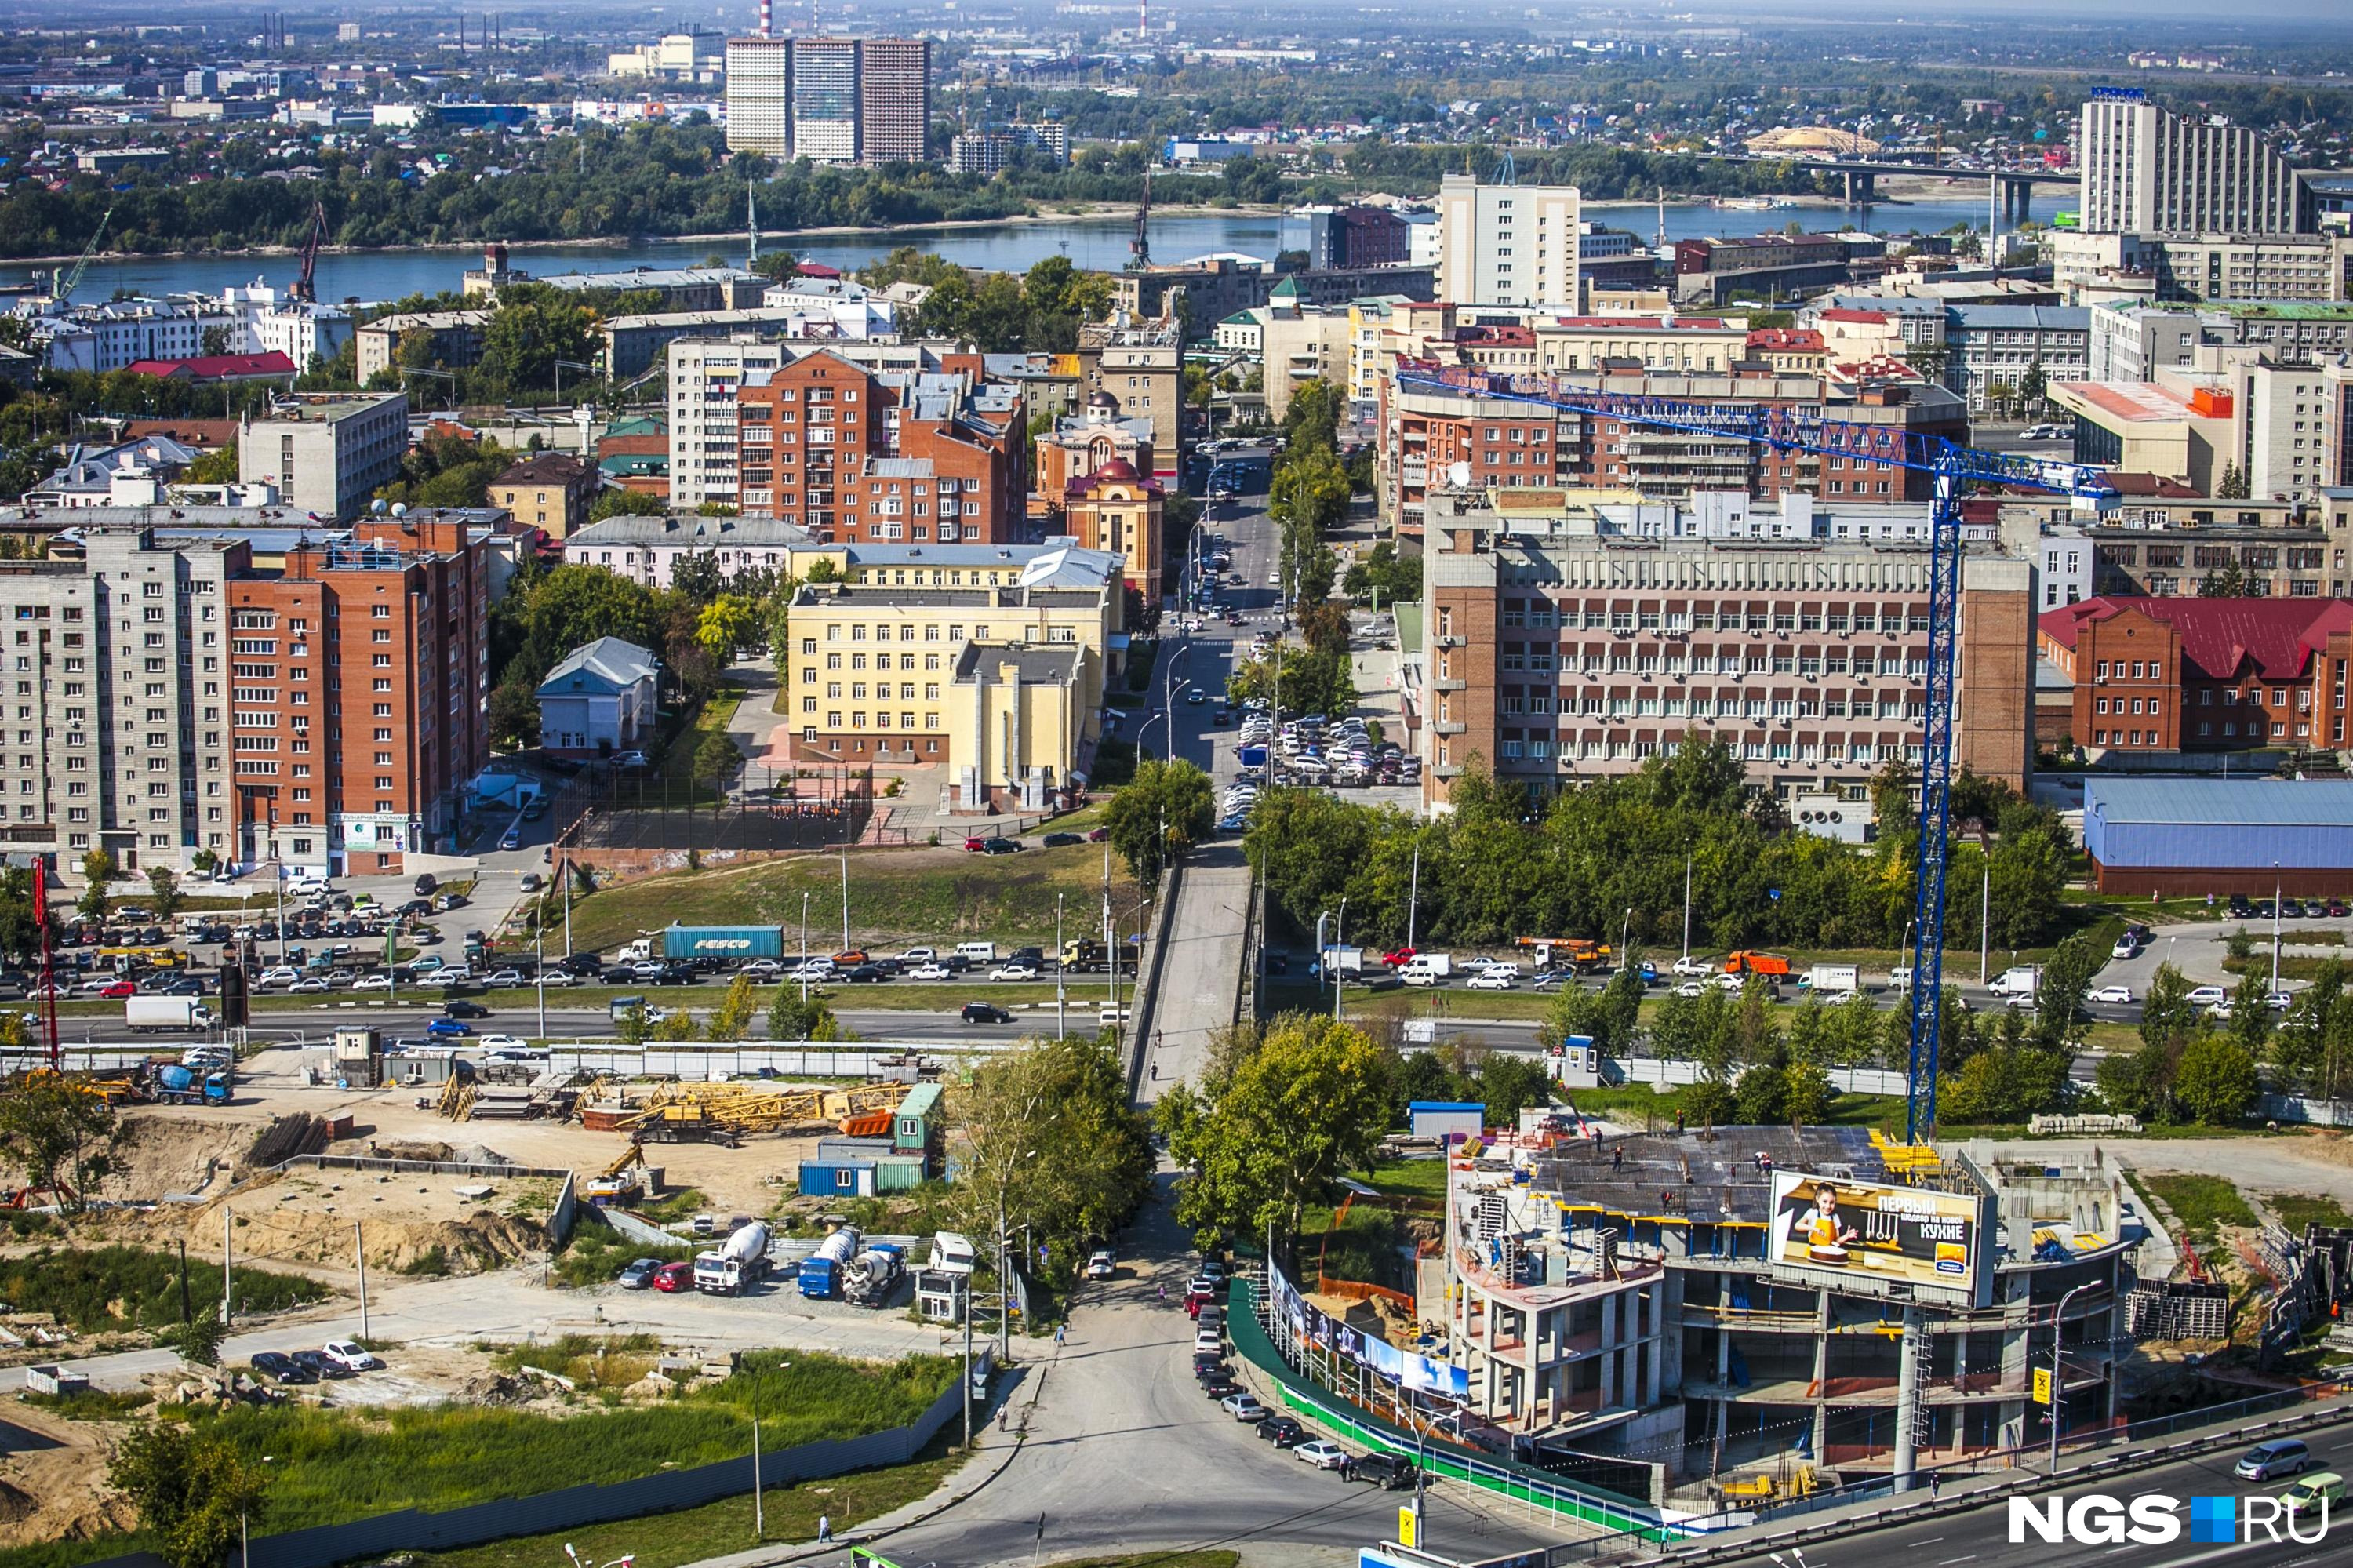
x=894 y=91
x=2146 y=170
x=760 y=95
x=358 y=687
x=326 y=451
x=825 y=99
x=1507 y=245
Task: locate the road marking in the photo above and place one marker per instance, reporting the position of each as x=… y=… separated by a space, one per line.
x=1948 y=1562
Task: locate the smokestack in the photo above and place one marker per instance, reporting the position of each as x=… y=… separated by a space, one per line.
x=767 y=18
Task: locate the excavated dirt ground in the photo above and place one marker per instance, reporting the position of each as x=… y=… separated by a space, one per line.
x=52 y=1478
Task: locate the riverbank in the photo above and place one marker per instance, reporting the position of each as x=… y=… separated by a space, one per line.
x=1073 y=212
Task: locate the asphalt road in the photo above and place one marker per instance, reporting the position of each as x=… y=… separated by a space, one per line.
x=1981 y=1538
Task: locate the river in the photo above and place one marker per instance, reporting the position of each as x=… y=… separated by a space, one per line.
x=1097 y=243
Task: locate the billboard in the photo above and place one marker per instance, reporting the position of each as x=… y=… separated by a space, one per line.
x=1873 y=1235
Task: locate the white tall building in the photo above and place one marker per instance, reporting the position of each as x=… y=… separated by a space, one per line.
x=760 y=95
x=2146 y=170
x=826 y=118
x=1507 y=245
x=706 y=375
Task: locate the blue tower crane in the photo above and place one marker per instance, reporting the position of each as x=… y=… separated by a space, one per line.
x=1951 y=467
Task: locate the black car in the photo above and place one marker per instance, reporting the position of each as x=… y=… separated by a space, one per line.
x=427 y=884
x=1281 y=1431
x=2291 y=910
x=464 y=1010
x=280 y=1367
x=1219 y=1386
x=1387 y=1471
x=318 y=1366
x=1000 y=846
x=619 y=974
x=982 y=1013
x=582 y=964
x=866 y=974
x=1056 y=841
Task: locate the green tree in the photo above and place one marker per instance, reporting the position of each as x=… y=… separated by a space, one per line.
x=1049 y=1143
x=514 y=713
x=2215 y=1083
x=1160 y=815
x=716 y=759
x=731 y=1019
x=1384 y=576
x=2232 y=485
x=194 y=1492
x=1509 y=1084
x=98 y=870
x=1263 y=1140
x=533 y=327
x=727 y=624
x=163 y=885
x=53 y=1128
x=625 y=504
x=792 y=1018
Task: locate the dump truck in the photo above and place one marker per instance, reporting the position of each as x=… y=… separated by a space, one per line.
x=741 y=1262
x=1090 y=956
x=821 y=1271
x=178 y=1086
x=1772 y=966
x=158 y=1014
x=868 y=1279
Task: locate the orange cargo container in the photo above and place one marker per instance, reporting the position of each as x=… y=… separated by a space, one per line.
x=872 y=1124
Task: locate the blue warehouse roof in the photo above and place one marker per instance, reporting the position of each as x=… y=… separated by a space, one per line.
x=2222 y=802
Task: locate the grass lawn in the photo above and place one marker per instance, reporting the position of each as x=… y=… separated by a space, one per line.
x=596 y=1253
x=2200 y=1202
x=102 y=1288
x=897 y=896
x=1409 y=1179
x=690 y=1535
x=2297 y=1210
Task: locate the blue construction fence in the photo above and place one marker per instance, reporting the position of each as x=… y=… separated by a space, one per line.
x=1538 y=1490
x=412 y=1530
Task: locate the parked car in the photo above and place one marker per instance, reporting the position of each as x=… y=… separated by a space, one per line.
x=350 y=1355
x=1000 y=846
x=1322 y=1453
x=1243 y=1407
x=986 y=1013
x=1282 y=1431
x=640 y=1275
x=1056 y=841
x=1220 y=1387
x=318 y=1365
x=1391 y=1472
x=1101 y=1264
x=278 y=1367
x=2208 y=996
x=672 y=1277
x=2118 y=995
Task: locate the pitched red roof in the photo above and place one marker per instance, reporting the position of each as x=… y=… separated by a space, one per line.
x=2221 y=638
x=217 y=367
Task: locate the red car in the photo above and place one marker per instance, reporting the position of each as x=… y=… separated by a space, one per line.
x=1097 y=835
x=974 y=847
x=674 y=1277
x=120 y=990
x=1399 y=958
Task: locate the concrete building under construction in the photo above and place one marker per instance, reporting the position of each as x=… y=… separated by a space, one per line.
x=1708 y=1304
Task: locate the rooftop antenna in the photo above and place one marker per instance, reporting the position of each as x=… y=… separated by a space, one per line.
x=752 y=213
x=1662 y=218
x=1139 y=249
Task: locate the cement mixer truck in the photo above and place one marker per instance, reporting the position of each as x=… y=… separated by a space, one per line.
x=742 y=1261
x=870 y=1278
x=822 y=1270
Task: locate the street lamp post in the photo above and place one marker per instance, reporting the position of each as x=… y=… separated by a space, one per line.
x=2058 y=1383
x=1062 y=977
x=1687 y=874
x=1339 y=939
x=2279 y=892
x=804 y=952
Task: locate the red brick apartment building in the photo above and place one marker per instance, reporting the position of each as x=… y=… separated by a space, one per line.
x=858 y=457
x=2203 y=674
x=1499 y=441
x=359 y=681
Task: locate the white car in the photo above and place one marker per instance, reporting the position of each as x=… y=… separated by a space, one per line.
x=1418 y=976
x=1492 y=980
x=457 y=974
x=1014 y=972
x=933 y=971
x=2279 y=1001
x=1101 y=1264
x=373 y=982
x=1692 y=988
x=311 y=985
x=919 y=955
x=2208 y=996
x=762 y=969
x=347 y=1354
x=503 y=978
x=1323 y=1453
x=556 y=977
x=2119 y=995
x=1691 y=965
x=501 y=1042
x=813 y=969
x=279 y=974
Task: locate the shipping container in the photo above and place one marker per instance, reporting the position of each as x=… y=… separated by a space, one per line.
x=723 y=942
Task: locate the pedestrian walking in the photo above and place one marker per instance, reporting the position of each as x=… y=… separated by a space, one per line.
x=1002 y=1411
x=1932 y=1486
x=1616 y=1159
x=1061 y=1333
x=824 y=1528
x=1163 y=1295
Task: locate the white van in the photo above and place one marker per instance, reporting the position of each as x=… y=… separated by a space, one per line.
x=976 y=952
x=306 y=886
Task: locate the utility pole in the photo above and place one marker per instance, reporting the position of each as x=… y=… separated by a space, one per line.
x=2278 y=893
x=359 y=1256
x=1985 y=920
x=845 y=888
x=967 y=1362
x=759 y=1500
x=1413 y=892
x=567 y=906
x=1687 y=870
x=1061 y=1020
x=229 y=1269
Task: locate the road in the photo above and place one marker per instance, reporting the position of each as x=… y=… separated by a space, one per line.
x=1981 y=1538
x=1124 y=1455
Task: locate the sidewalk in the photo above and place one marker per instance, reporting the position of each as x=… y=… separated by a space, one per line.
x=994 y=1448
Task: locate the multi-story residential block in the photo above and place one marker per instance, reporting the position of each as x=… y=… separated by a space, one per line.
x=760 y=95
x=895 y=673
x=1439 y=427
x=2163 y=540
x=2284 y=430
x=326 y=451
x=2203 y=267
x=2146 y=170
x=1507 y=245
x=450 y=340
x=1579 y=635
x=1116 y=510
x=1341 y=236
x=358 y=688
x=826 y=115
x=548 y=490
x=706 y=381
x=2157 y=675
x=648 y=549
x=895 y=100
x=854 y=455
x=991 y=152
x=1141 y=363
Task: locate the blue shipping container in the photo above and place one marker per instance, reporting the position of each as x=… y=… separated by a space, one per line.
x=723 y=942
